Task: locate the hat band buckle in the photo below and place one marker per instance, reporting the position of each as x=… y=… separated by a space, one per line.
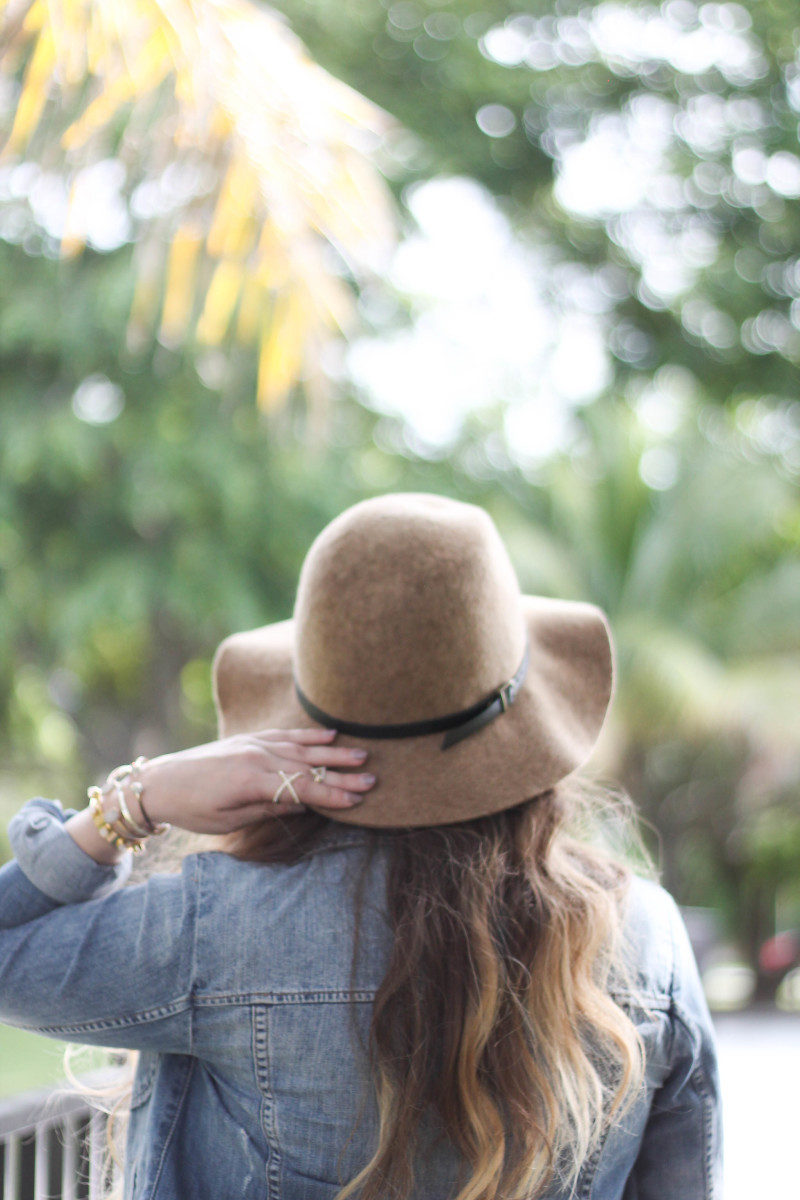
x=455 y=726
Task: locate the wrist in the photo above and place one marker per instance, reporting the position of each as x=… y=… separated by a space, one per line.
x=112 y=818
x=140 y=813
x=146 y=800
x=83 y=831
x=117 y=816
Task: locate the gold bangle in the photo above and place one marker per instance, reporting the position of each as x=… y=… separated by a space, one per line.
x=156 y=828
x=125 y=817
x=106 y=828
x=127 y=776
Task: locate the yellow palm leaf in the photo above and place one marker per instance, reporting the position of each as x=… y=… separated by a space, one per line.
x=150 y=69
x=221 y=297
x=233 y=228
x=281 y=357
x=179 y=290
x=222 y=91
x=35 y=91
x=250 y=317
x=274 y=267
x=73 y=241
x=71 y=55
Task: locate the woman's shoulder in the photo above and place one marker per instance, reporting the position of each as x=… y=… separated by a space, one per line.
x=660 y=954
x=649 y=904
x=333 y=853
x=335 y=867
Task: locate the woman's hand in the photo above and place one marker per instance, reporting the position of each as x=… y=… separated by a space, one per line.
x=222 y=786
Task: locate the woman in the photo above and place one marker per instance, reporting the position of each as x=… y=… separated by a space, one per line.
x=423 y=986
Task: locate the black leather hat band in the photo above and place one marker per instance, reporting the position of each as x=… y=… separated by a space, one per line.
x=455 y=726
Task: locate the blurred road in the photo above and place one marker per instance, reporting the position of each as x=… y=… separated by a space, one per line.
x=759 y=1056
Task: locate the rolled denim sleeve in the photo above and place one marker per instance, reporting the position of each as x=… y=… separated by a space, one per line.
x=54 y=863
x=680 y=1156
x=82 y=958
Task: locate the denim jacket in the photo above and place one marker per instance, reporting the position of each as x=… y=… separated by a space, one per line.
x=235 y=981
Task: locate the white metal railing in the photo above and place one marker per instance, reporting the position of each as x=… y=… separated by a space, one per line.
x=51 y=1147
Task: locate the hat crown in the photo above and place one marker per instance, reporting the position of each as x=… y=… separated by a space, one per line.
x=407 y=609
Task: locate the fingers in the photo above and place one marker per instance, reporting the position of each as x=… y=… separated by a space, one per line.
x=341 y=757
x=337 y=791
x=301 y=737
x=274 y=754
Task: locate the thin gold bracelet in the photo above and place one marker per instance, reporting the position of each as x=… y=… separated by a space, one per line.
x=106 y=828
x=126 y=820
x=127 y=776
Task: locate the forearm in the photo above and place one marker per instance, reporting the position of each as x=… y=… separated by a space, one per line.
x=81 y=828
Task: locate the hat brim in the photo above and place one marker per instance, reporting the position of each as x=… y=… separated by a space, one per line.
x=547 y=733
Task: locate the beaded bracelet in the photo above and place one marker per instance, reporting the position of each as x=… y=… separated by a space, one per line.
x=105 y=824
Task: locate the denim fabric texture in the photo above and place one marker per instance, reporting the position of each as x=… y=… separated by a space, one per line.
x=236 y=983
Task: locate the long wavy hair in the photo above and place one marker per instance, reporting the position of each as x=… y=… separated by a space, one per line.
x=498 y=1011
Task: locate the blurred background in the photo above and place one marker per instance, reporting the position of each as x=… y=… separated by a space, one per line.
x=543 y=257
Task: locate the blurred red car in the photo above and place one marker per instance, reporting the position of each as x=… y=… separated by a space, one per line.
x=780 y=953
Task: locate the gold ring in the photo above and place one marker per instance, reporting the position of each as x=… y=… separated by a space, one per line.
x=286 y=786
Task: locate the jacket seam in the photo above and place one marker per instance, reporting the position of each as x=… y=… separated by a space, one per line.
x=144 y=1017
x=700 y=1084
x=590 y=1169
x=268 y=1104
x=699 y=1080
x=197 y=878
x=655 y=1000
x=342 y=995
x=167 y=1140
x=674 y=1009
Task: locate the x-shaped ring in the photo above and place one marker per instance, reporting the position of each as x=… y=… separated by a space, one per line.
x=286 y=786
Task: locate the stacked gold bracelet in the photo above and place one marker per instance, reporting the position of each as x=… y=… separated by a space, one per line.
x=106 y=824
x=116 y=825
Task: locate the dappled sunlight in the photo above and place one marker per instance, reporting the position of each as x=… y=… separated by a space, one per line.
x=242 y=155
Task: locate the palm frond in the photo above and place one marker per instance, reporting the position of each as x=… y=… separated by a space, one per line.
x=287 y=211
x=672 y=680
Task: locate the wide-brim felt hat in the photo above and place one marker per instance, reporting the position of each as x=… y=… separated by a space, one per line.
x=411 y=636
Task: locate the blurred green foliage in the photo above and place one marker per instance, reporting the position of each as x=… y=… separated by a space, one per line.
x=146 y=510
x=705 y=95
x=130 y=546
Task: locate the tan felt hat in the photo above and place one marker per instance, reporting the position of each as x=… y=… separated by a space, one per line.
x=410 y=636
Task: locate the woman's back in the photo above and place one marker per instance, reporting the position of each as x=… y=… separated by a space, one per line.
x=270 y=1093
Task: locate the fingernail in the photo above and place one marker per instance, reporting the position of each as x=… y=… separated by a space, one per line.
x=359 y=754
x=370 y=779
x=354 y=798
